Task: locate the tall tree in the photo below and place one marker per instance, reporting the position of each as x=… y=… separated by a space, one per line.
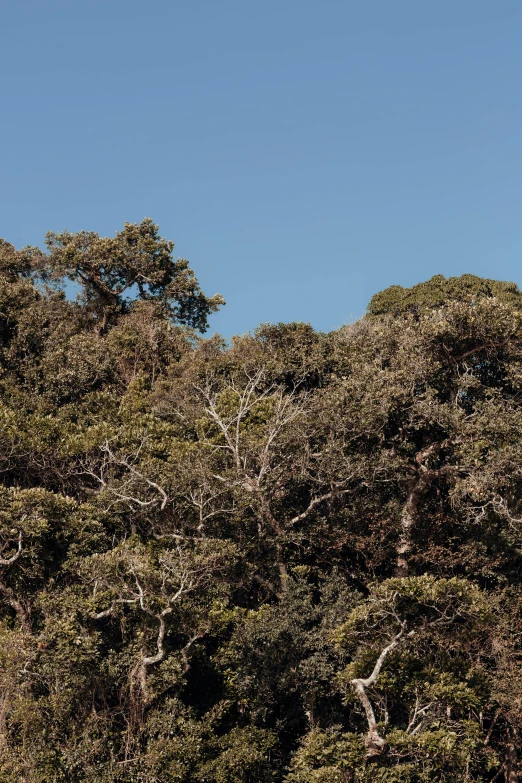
x=137 y=262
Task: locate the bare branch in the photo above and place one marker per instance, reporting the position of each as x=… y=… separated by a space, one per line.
x=131 y=468
x=9 y=560
x=375 y=743
x=112 y=607
x=150 y=659
x=316 y=501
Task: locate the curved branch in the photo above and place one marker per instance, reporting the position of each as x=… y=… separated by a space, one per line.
x=374 y=742
x=8 y=560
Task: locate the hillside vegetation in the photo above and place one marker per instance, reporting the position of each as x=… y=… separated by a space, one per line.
x=296 y=558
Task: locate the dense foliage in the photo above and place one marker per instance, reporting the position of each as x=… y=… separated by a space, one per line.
x=297 y=558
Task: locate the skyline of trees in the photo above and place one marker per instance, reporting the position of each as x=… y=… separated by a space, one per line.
x=294 y=558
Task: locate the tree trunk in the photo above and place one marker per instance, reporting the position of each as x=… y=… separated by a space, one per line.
x=423 y=479
x=405 y=544
x=268 y=517
x=511 y=767
x=376 y=744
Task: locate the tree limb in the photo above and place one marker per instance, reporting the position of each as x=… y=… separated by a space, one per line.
x=374 y=742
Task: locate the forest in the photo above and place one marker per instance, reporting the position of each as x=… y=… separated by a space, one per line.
x=294 y=557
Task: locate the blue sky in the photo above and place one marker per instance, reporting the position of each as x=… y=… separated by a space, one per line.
x=302 y=155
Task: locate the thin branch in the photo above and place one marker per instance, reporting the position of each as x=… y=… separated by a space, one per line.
x=315 y=502
x=493 y=723
x=112 y=607
x=124 y=463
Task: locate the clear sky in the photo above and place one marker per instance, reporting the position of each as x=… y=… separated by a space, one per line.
x=303 y=155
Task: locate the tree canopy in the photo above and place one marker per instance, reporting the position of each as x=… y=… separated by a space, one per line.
x=296 y=558
x=113 y=271
x=438 y=291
